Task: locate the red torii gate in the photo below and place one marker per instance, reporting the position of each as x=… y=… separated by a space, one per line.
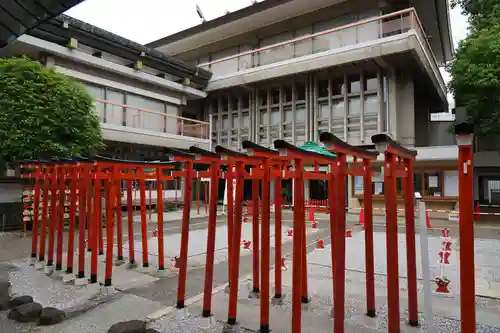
x=398 y=162
x=343 y=150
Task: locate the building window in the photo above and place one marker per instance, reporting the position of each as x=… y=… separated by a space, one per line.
x=433 y=184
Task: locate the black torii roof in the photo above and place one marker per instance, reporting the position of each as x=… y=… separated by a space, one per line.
x=18 y=17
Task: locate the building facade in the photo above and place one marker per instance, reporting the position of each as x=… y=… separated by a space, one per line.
x=289 y=69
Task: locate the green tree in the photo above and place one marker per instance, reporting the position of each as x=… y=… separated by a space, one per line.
x=475 y=70
x=44 y=114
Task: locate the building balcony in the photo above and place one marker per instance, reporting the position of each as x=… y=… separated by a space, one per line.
x=382 y=39
x=125 y=123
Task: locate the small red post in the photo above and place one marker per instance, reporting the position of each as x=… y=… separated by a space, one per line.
x=235 y=255
x=150 y=199
x=230 y=216
x=466 y=226
x=392 y=243
x=45 y=201
x=207 y=198
x=212 y=225
x=298 y=221
x=52 y=215
x=110 y=202
x=181 y=288
x=277 y=239
x=36 y=204
x=99 y=222
x=60 y=217
x=119 y=219
x=72 y=218
x=198 y=190
x=82 y=219
x=144 y=222
x=255 y=234
x=94 y=232
x=339 y=282
x=90 y=205
x=367 y=222
x=159 y=213
x=130 y=222
x=266 y=248
x=411 y=260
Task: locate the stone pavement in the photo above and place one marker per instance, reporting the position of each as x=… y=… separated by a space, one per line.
x=145 y=295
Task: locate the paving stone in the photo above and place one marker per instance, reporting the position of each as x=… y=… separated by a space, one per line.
x=15 y=302
x=26 y=312
x=132 y=326
x=51 y=316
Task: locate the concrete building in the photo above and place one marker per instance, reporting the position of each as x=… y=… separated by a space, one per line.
x=292 y=68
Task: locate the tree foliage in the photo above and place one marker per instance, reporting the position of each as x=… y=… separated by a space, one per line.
x=44 y=114
x=475 y=70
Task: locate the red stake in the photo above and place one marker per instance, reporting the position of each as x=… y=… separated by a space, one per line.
x=45 y=201
x=130 y=223
x=230 y=217
x=235 y=256
x=82 y=219
x=411 y=259
x=298 y=222
x=36 y=208
x=366 y=219
x=52 y=215
x=320 y=244
x=119 y=220
x=110 y=213
x=255 y=234
x=144 y=222
x=186 y=211
x=159 y=209
x=212 y=220
x=72 y=219
x=266 y=247
x=95 y=226
x=277 y=239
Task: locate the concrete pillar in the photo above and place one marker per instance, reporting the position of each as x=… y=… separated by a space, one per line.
x=307 y=189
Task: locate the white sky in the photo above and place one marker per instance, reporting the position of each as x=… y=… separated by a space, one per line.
x=144 y=21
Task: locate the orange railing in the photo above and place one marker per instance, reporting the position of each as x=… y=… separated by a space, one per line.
x=130 y=116
x=354 y=33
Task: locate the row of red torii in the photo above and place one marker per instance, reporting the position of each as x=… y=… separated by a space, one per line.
x=86 y=178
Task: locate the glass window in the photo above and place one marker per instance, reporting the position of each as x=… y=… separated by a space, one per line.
x=171 y=126
x=262 y=97
x=234 y=103
x=371 y=82
x=97 y=92
x=263 y=118
x=246 y=101
x=417 y=183
x=338 y=86
x=371 y=104
x=275 y=96
x=358 y=184
x=300 y=92
x=354 y=107
x=224 y=104
x=275 y=117
x=234 y=119
x=323 y=110
x=323 y=88
x=433 y=184
x=354 y=84
x=114 y=113
x=300 y=113
x=287 y=114
x=225 y=122
x=338 y=108
x=245 y=120
x=287 y=92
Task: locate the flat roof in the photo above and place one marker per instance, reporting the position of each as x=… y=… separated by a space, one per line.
x=62 y=28
x=19 y=17
x=230 y=17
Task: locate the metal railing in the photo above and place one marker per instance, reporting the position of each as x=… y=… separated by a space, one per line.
x=133 y=117
x=350 y=34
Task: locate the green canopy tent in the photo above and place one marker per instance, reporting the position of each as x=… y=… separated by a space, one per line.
x=314 y=147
